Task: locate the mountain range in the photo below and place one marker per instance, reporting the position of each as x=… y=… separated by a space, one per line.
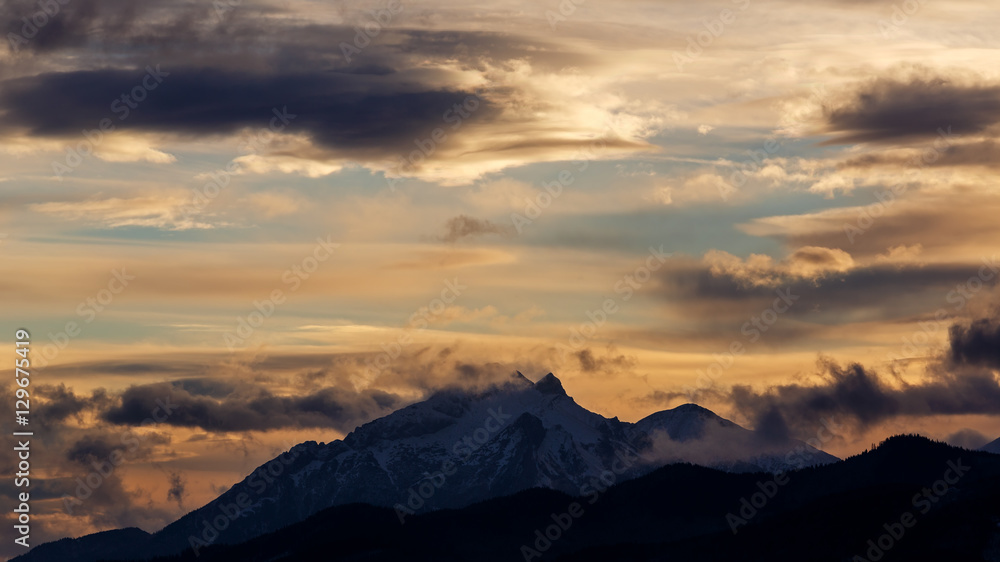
x=462 y=456
x=910 y=499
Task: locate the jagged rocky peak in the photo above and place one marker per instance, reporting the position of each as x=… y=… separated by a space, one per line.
x=549 y=384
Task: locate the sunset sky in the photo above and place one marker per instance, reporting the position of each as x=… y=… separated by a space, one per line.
x=290 y=218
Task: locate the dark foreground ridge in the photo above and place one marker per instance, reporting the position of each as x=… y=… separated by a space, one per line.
x=909 y=499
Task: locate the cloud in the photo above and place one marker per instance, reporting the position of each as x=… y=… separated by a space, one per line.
x=109 y=503
x=976 y=344
x=535 y=97
x=167 y=211
x=967 y=231
x=511 y=108
x=901 y=109
x=611 y=364
x=809 y=263
x=902 y=254
x=251 y=408
x=874 y=291
x=861 y=398
x=356 y=116
x=81 y=22
x=705 y=302
x=980 y=153
x=462 y=226
x=56 y=404
x=177 y=488
x=93 y=448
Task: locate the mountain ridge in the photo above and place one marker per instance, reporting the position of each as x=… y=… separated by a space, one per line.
x=991 y=447
x=681 y=512
x=460 y=447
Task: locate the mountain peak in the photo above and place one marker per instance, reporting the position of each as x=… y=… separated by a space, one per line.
x=693 y=409
x=549 y=384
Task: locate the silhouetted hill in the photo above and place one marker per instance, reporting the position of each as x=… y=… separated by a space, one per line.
x=679 y=512
x=123 y=543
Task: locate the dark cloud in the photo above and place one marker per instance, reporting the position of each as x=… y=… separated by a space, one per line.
x=257 y=35
x=379 y=109
x=359 y=115
x=98 y=448
x=58 y=403
x=246 y=397
x=469 y=375
x=857 y=396
x=227 y=74
x=462 y=226
x=154 y=368
x=252 y=408
x=893 y=110
x=81 y=22
x=610 y=364
x=95 y=489
x=177 y=488
x=976 y=344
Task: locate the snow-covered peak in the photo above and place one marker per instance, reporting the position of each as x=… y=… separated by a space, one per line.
x=682 y=423
x=549 y=384
x=454 y=413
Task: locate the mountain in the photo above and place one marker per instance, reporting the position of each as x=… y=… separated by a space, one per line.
x=691 y=433
x=910 y=499
x=993 y=447
x=454 y=449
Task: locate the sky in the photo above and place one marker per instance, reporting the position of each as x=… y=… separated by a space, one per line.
x=290 y=218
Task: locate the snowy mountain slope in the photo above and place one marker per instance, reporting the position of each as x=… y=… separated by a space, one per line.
x=691 y=433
